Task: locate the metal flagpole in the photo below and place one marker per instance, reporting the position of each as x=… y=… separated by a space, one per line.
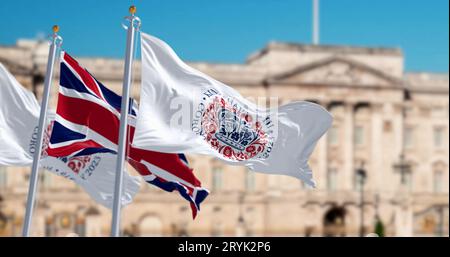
x=315 y=22
x=134 y=23
x=56 y=42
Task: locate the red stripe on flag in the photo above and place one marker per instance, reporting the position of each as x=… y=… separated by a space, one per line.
x=70 y=149
x=194 y=210
x=88 y=80
x=92 y=115
x=89 y=114
x=139 y=167
x=144 y=171
x=168 y=162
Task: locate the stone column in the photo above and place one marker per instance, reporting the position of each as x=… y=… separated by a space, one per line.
x=38 y=226
x=93 y=226
x=404 y=218
x=376 y=141
x=348 y=144
x=322 y=148
x=397 y=145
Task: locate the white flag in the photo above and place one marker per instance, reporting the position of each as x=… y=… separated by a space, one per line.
x=19 y=110
x=19 y=116
x=184 y=110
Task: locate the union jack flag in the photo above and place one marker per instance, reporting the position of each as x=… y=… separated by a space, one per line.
x=87 y=122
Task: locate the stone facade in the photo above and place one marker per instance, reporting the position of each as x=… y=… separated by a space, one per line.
x=380 y=113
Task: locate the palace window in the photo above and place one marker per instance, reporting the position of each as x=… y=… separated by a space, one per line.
x=438 y=137
x=409 y=180
x=438 y=180
x=217 y=178
x=250 y=180
x=332 y=179
x=359 y=135
x=46 y=179
x=409 y=137
x=333 y=136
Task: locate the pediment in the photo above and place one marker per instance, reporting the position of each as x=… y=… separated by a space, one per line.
x=336 y=71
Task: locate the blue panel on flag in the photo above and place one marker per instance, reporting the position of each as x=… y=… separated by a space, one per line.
x=63 y=134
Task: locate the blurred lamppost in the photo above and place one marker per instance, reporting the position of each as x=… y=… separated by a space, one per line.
x=361 y=175
x=403 y=167
x=404 y=211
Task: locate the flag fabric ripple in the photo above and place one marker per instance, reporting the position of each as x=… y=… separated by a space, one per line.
x=19 y=116
x=87 y=122
x=214 y=119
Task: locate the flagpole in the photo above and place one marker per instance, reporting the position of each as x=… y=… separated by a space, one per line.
x=134 y=23
x=316 y=22
x=56 y=42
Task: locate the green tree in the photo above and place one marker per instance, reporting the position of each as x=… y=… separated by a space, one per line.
x=379 y=227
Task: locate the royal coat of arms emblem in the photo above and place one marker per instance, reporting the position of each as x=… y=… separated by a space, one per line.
x=233 y=132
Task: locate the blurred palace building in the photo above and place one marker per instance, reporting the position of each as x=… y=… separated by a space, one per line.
x=389 y=137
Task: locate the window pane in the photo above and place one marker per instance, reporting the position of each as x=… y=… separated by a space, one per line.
x=437 y=181
x=359 y=135
x=217 y=178
x=332 y=179
x=46 y=177
x=409 y=137
x=438 y=137
x=409 y=181
x=250 y=180
x=333 y=136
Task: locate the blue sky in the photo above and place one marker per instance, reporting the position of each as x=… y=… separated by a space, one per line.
x=228 y=31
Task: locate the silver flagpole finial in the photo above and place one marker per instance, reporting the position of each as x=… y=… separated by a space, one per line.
x=133 y=20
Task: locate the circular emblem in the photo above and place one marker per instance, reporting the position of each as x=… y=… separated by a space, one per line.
x=233 y=132
x=77 y=163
